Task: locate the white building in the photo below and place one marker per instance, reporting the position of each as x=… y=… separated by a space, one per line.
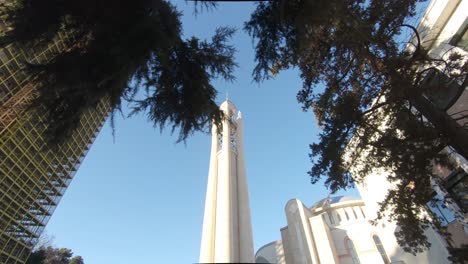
x=448 y=24
x=443 y=30
x=337 y=230
x=227 y=228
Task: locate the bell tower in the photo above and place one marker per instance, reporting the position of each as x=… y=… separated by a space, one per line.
x=227 y=229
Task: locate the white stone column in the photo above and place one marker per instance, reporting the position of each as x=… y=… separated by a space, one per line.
x=323 y=240
x=223 y=233
x=300 y=234
x=227 y=228
x=245 y=225
x=207 y=242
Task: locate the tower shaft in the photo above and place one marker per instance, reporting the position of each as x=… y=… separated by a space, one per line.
x=227 y=229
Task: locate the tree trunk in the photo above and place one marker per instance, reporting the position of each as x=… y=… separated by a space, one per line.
x=457 y=135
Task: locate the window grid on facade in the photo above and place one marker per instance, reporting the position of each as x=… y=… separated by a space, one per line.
x=33 y=178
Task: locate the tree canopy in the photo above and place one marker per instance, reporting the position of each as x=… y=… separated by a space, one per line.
x=120 y=48
x=368 y=96
x=365 y=91
x=52 y=255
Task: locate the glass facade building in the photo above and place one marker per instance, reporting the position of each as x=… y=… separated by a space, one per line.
x=33 y=177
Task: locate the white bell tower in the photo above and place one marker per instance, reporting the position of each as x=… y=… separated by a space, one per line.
x=227 y=229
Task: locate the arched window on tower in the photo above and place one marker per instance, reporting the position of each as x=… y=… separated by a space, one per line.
x=339 y=217
x=220 y=141
x=380 y=248
x=352 y=251
x=233 y=139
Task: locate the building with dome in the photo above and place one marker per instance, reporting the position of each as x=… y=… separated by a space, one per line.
x=337 y=230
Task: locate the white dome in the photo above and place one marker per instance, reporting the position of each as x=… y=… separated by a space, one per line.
x=333 y=200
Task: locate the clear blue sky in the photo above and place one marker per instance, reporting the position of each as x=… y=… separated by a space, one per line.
x=141 y=199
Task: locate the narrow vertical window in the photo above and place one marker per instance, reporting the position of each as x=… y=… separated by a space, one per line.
x=330 y=216
x=354 y=212
x=339 y=217
x=352 y=251
x=346 y=214
x=380 y=248
x=362 y=212
x=220 y=141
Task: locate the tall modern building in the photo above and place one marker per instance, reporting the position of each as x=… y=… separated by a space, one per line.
x=33 y=177
x=227 y=229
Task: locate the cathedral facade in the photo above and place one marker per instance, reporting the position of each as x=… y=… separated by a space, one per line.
x=338 y=230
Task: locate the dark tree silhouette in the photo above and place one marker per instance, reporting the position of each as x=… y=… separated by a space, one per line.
x=52 y=255
x=120 y=48
x=368 y=96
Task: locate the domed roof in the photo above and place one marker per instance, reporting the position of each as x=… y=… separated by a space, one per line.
x=333 y=200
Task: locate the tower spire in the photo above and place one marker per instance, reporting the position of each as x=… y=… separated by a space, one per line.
x=227 y=228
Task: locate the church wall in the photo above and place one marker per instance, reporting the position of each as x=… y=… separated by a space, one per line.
x=360 y=232
x=373 y=190
x=323 y=240
x=310 y=237
x=288 y=258
x=299 y=235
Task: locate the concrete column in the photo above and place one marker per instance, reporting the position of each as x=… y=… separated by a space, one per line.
x=324 y=241
x=208 y=233
x=227 y=229
x=245 y=225
x=300 y=234
x=223 y=233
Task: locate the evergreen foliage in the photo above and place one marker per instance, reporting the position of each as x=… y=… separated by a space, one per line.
x=367 y=95
x=120 y=48
x=51 y=255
